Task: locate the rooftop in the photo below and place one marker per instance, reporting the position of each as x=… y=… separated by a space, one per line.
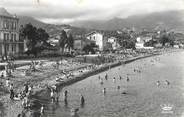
x=4 y=12
x=91 y=33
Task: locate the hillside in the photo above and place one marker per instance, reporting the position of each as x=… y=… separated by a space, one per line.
x=169 y=19
x=52 y=29
x=173 y=20
x=25 y=20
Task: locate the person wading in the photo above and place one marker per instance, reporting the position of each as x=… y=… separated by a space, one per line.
x=11 y=92
x=52 y=95
x=42 y=110
x=65 y=97
x=106 y=76
x=82 y=101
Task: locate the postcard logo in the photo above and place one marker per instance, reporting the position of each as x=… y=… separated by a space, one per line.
x=167 y=108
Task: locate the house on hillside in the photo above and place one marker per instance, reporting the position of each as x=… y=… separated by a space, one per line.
x=53 y=41
x=179 y=37
x=80 y=43
x=141 y=40
x=9 y=34
x=98 y=38
x=114 y=42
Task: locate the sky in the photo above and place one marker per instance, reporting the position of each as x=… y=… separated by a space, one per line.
x=67 y=11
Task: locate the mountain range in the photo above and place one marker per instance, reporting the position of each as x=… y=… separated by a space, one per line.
x=168 y=19
x=172 y=20
x=52 y=29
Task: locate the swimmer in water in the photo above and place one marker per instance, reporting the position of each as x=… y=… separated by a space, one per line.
x=101 y=81
x=66 y=94
x=104 y=90
x=65 y=97
x=167 y=82
x=73 y=112
x=52 y=95
x=114 y=79
x=158 y=83
x=99 y=77
x=118 y=87
x=120 y=77
x=128 y=79
x=106 y=76
x=42 y=110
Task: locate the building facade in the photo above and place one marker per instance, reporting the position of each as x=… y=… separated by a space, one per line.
x=114 y=42
x=80 y=43
x=98 y=38
x=9 y=34
x=140 y=41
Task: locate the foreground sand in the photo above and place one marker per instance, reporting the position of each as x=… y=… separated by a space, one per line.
x=43 y=76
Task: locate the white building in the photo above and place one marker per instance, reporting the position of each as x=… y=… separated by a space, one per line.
x=9 y=34
x=114 y=42
x=98 y=38
x=53 y=41
x=141 y=41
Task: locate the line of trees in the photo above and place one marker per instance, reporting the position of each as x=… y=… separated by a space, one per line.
x=167 y=38
x=164 y=38
x=35 y=38
x=126 y=40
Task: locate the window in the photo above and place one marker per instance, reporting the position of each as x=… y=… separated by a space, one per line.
x=12 y=48
x=12 y=37
x=4 y=25
x=94 y=38
x=7 y=25
x=1 y=49
x=8 y=36
x=7 y=47
x=12 y=25
x=15 y=25
x=4 y=36
x=15 y=37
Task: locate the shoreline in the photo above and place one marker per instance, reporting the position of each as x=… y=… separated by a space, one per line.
x=83 y=76
x=41 y=91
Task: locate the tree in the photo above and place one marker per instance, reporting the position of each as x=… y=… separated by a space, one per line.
x=42 y=35
x=35 y=38
x=167 y=38
x=171 y=38
x=90 y=48
x=126 y=40
x=150 y=43
x=70 y=42
x=62 y=41
x=128 y=44
x=164 y=39
x=29 y=32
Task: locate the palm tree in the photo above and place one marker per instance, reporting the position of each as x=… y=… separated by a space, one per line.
x=70 y=42
x=62 y=41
